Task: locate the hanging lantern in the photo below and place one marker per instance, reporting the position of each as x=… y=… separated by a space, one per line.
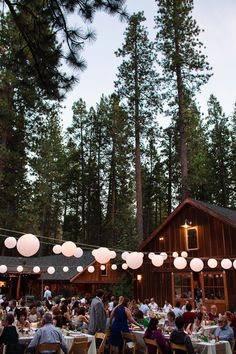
x=151 y=254
x=68 y=248
x=65 y=269
x=103 y=267
x=124 y=255
x=175 y=254
x=234 y=264
x=19 y=269
x=3 y=268
x=113 y=266
x=134 y=260
x=80 y=269
x=180 y=262
x=78 y=252
x=56 y=249
x=10 y=242
x=184 y=254
x=164 y=255
x=124 y=266
x=102 y=255
x=28 y=245
x=51 y=270
x=113 y=254
x=91 y=269
x=212 y=263
x=226 y=263
x=196 y=264
x=157 y=260
x=36 y=269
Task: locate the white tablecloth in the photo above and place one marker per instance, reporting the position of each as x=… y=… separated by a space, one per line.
x=222 y=347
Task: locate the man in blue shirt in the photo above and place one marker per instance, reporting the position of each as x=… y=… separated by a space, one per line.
x=224 y=331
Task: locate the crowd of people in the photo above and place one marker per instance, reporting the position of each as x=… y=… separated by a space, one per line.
x=112 y=315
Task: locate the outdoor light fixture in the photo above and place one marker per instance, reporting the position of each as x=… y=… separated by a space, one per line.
x=161 y=238
x=139 y=277
x=186 y=224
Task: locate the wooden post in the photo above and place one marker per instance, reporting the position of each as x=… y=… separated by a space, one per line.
x=18 y=287
x=173 y=289
x=226 y=290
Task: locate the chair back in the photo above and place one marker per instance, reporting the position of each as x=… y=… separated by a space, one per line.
x=130 y=342
x=152 y=342
x=100 y=339
x=233 y=345
x=55 y=347
x=178 y=347
x=80 y=347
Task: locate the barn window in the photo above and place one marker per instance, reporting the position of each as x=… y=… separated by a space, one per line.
x=182 y=286
x=214 y=286
x=192 y=238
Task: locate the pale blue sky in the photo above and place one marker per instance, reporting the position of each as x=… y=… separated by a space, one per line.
x=216 y=17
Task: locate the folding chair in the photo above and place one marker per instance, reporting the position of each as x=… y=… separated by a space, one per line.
x=130 y=342
x=153 y=343
x=100 y=339
x=178 y=347
x=80 y=347
x=55 y=347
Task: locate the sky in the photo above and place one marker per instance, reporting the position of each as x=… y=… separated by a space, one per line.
x=216 y=17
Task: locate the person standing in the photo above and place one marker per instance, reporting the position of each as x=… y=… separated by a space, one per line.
x=47 y=293
x=98 y=317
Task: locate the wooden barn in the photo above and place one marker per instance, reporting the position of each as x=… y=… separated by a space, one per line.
x=204 y=231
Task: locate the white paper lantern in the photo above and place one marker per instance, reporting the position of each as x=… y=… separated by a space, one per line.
x=93 y=252
x=180 y=262
x=124 y=266
x=28 y=245
x=65 y=269
x=175 y=254
x=134 y=260
x=19 y=269
x=10 y=242
x=113 y=254
x=226 y=263
x=124 y=255
x=102 y=255
x=234 y=264
x=103 y=267
x=80 y=269
x=91 y=269
x=68 y=248
x=164 y=255
x=3 y=268
x=36 y=269
x=157 y=260
x=151 y=254
x=196 y=264
x=51 y=270
x=184 y=254
x=56 y=249
x=78 y=252
x=113 y=266
x=212 y=263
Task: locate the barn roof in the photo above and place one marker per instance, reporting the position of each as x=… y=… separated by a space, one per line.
x=224 y=214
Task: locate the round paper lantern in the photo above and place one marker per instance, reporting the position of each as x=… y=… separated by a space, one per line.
x=157 y=260
x=78 y=252
x=175 y=254
x=184 y=254
x=10 y=242
x=226 y=263
x=65 y=269
x=93 y=252
x=113 y=266
x=68 y=248
x=3 y=268
x=124 y=266
x=28 y=245
x=80 y=269
x=103 y=267
x=51 y=270
x=234 y=264
x=102 y=255
x=91 y=269
x=196 y=264
x=164 y=255
x=113 y=254
x=19 y=269
x=151 y=254
x=180 y=262
x=56 y=249
x=134 y=260
x=212 y=263
x=124 y=255
x=36 y=269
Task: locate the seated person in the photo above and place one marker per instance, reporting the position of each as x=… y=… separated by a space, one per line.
x=153 y=333
x=188 y=315
x=22 y=321
x=48 y=334
x=140 y=319
x=167 y=306
x=178 y=336
x=33 y=315
x=9 y=336
x=196 y=326
x=177 y=310
x=79 y=320
x=224 y=331
x=169 y=324
x=144 y=307
x=213 y=314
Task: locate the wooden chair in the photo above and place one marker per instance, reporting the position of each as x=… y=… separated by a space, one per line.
x=130 y=342
x=233 y=345
x=80 y=347
x=100 y=339
x=152 y=342
x=80 y=339
x=48 y=346
x=178 y=347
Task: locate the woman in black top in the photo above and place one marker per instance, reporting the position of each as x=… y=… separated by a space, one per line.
x=9 y=336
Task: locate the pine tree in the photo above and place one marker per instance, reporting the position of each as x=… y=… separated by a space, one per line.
x=233 y=159
x=184 y=66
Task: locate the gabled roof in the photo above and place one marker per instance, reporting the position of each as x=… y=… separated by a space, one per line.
x=57 y=261
x=224 y=214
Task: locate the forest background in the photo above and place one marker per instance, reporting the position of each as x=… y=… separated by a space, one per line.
x=116 y=172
